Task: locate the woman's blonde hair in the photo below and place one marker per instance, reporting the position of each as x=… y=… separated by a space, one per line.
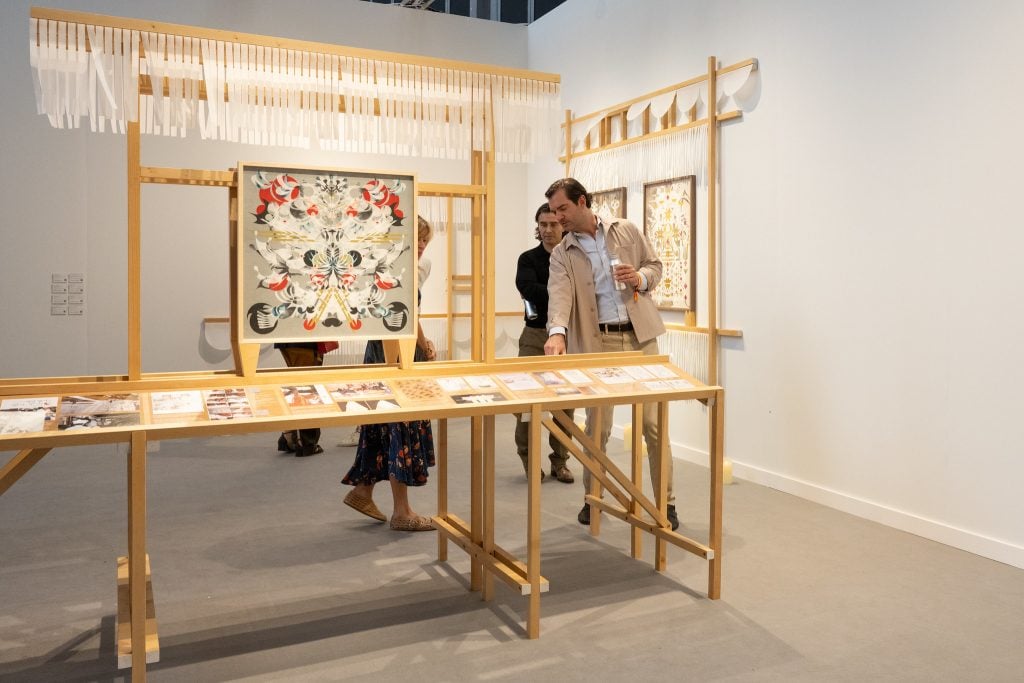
x=424 y=233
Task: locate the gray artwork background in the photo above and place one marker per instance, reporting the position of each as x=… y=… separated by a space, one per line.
x=251 y=263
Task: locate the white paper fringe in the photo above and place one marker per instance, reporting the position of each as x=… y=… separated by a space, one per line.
x=269 y=96
x=630 y=166
x=687 y=350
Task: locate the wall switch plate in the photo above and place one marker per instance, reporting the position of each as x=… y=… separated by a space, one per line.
x=76 y=310
x=74 y=299
x=76 y=277
x=58 y=289
x=58 y=310
x=58 y=277
x=58 y=298
x=76 y=288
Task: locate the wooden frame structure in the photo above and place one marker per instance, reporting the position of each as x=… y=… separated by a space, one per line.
x=599 y=139
x=137 y=626
x=475 y=536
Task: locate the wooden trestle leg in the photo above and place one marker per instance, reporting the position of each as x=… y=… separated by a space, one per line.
x=716 y=439
x=533 y=524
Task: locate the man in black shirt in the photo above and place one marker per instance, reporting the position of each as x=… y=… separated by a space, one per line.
x=532 y=283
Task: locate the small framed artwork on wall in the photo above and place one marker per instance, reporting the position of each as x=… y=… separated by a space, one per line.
x=609 y=203
x=669 y=224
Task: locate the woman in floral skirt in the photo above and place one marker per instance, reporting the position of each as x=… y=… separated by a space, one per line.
x=399 y=452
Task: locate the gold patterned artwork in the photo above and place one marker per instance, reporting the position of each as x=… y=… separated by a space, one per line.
x=669 y=214
x=609 y=203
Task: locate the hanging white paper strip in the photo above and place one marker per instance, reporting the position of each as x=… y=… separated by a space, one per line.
x=262 y=95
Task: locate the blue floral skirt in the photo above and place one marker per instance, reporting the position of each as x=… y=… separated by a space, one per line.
x=403 y=450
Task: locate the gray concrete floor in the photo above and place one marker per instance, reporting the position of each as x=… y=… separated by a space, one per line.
x=261 y=574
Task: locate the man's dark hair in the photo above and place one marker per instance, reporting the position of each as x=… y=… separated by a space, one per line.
x=573 y=190
x=544 y=208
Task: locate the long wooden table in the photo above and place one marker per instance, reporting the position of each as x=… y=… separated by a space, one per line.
x=137 y=630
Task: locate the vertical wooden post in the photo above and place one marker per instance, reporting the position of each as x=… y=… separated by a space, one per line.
x=137 y=552
x=661 y=495
x=712 y=220
x=487 y=504
x=716 y=450
x=134 y=251
x=637 y=460
x=490 y=331
x=475 y=497
x=533 y=524
x=450 y=241
x=477 y=248
x=596 y=490
x=442 y=485
x=568 y=143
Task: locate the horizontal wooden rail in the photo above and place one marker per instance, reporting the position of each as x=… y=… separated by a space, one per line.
x=735 y=114
x=623 y=106
x=677 y=327
x=188 y=176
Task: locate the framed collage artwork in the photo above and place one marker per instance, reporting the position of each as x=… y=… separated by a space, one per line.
x=324 y=254
x=669 y=220
x=611 y=203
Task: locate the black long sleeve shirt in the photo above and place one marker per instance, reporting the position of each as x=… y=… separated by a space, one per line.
x=532 y=282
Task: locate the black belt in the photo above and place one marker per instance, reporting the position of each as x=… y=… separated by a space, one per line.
x=615 y=327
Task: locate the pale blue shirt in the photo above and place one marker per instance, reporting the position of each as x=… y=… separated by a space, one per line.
x=610 y=308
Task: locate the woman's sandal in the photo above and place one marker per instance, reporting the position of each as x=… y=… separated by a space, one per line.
x=364 y=505
x=417 y=523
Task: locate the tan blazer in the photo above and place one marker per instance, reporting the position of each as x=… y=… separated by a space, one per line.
x=572 y=301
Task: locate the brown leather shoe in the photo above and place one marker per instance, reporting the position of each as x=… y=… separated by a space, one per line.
x=562 y=474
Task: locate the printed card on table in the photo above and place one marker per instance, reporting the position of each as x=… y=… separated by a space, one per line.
x=638 y=372
x=612 y=375
x=177 y=402
x=659 y=371
x=27 y=415
x=577 y=376
x=520 y=381
x=306 y=396
x=344 y=391
x=99 y=404
x=227 y=404
x=366 y=405
x=453 y=384
x=479 y=398
x=422 y=391
x=481 y=382
x=97 y=421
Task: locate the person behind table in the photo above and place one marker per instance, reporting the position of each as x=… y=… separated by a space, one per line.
x=302 y=442
x=399 y=452
x=532 y=283
x=587 y=314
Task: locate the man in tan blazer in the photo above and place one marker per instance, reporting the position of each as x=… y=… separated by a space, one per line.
x=588 y=314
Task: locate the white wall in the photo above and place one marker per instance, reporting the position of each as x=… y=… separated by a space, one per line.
x=870 y=242
x=66 y=208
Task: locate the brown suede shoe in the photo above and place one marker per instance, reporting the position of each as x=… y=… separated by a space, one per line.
x=562 y=474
